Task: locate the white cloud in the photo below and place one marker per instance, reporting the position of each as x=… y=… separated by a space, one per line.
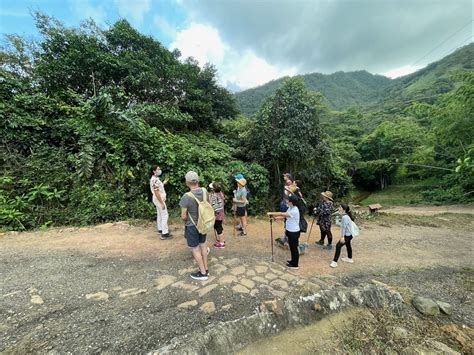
x=85 y=9
x=134 y=8
x=397 y=72
x=164 y=26
x=235 y=69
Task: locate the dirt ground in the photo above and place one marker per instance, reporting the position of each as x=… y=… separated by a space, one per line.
x=430 y=210
x=105 y=288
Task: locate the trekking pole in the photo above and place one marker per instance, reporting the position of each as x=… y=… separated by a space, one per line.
x=235 y=221
x=310 y=229
x=271 y=235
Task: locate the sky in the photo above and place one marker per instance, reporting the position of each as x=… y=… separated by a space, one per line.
x=251 y=42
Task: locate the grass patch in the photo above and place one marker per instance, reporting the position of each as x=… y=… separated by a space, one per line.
x=392 y=196
x=453 y=220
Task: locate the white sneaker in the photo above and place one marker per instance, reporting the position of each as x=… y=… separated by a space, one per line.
x=347 y=260
x=333 y=264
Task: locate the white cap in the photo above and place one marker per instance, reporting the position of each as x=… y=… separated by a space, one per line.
x=192 y=176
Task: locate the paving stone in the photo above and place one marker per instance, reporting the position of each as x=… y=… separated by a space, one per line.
x=131 y=292
x=240 y=289
x=261 y=269
x=228 y=279
x=221 y=257
x=238 y=270
x=260 y=279
x=164 y=281
x=247 y=283
x=36 y=299
x=232 y=262
x=251 y=273
x=208 y=281
x=184 y=286
x=288 y=277
x=208 y=307
x=274 y=292
x=280 y=284
x=187 y=271
x=218 y=269
x=206 y=289
x=254 y=292
x=99 y=296
x=270 y=276
x=189 y=304
x=118 y=288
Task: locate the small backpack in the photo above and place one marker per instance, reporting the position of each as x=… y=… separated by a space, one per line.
x=206 y=214
x=354 y=229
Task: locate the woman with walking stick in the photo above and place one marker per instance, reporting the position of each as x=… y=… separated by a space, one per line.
x=324 y=211
x=292 y=229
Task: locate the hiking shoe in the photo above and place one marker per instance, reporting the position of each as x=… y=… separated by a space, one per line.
x=328 y=247
x=333 y=264
x=242 y=234
x=166 y=236
x=238 y=228
x=347 y=260
x=319 y=242
x=199 y=276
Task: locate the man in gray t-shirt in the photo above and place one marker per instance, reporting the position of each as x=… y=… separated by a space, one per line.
x=190 y=216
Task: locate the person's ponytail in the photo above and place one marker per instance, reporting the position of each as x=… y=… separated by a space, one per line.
x=152 y=170
x=347 y=209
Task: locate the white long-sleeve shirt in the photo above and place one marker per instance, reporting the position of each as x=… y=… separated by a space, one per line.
x=345 y=225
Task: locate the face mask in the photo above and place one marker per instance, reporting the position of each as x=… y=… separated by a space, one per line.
x=159 y=172
x=339 y=213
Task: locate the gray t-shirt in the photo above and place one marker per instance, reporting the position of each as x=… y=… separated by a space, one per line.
x=192 y=206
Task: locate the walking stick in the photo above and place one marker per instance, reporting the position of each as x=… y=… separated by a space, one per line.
x=271 y=235
x=310 y=229
x=235 y=222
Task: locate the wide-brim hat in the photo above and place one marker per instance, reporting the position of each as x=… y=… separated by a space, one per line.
x=242 y=181
x=327 y=194
x=211 y=186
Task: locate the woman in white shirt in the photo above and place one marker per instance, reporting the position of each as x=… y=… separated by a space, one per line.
x=346 y=235
x=292 y=226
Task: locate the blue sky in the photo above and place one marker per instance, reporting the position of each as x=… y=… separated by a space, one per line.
x=254 y=41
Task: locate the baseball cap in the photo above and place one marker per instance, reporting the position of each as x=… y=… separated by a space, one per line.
x=239 y=176
x=192 y=176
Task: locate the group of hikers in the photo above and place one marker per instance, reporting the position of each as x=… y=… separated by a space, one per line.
x=202 y=211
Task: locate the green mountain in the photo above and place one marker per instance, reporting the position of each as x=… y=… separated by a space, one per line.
x=361 y=88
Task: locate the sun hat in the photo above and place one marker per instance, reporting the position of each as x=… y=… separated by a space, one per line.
x=327 y=194
x=192 y=176
x=242 y=181
x=211 y=186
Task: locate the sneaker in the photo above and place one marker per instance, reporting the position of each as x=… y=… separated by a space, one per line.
x=239 y=228
x=242 y=234
x=199 y=276
x=333 y=264
x=290 y=266
x=347 y=260
x=166 y=236
x=160 y=231
x=319 y=242
x=216 y=244
x=328 y=247
x=220 y=246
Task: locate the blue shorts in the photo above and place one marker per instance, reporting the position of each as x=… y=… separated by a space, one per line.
x=193 y=237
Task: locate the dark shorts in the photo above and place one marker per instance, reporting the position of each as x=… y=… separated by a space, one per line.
x=218 y=227
x=193 y=237
x=241 y=211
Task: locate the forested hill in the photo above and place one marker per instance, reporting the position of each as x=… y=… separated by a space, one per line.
x=340 y=89
x=360 y=88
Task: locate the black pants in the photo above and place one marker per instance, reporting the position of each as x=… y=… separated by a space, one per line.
x=293 y=238
x=339 y=246
x=326 y=233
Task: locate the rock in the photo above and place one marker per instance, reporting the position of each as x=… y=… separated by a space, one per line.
x=164 y=281
x=254 y=292
x=187 y=271
x=118 y=288
x=237 y=270
x=446 y=308
x=189 y=304
x=261 y=268
x=219 y=269
x=317 y=307
x=274 y=306
x=208 y=307
x=425 y=306
x=228 y=279
x=443 y=348
x=280 y=284
x=270 y=276
x=36 y=299
x=251 y=273
x=185 y=286
x=226 y=307
x=260 y=279
x=400 y=333
x=131 y=292
x=240 y=289
x=208 y=281
x=206 y=289
x=247 y=283
x=99 y=296
x=288 y=277
x=274 y=292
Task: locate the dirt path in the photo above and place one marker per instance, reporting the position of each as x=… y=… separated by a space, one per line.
x=119 y=288
x=430 y=210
